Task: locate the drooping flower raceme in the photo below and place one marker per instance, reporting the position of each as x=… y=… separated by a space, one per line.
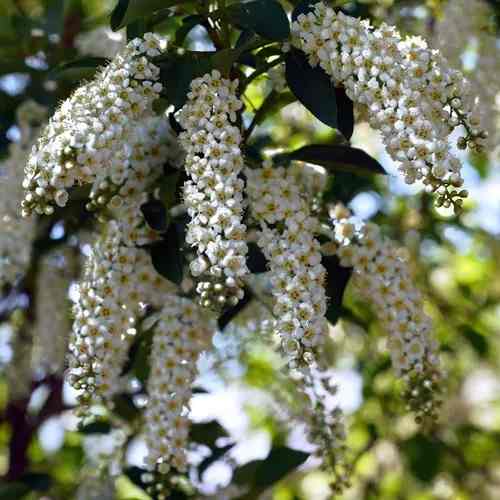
x=288 y=242
x=411 y=94
x=52 y=325
x=382 y=276
x=181 y=332
x=118 y=282
x=213 y=194
x=17 y=234
x=466 y=26
x=87 y=139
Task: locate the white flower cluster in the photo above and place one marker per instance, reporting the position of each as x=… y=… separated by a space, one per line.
x=214 y=193
x=181 y=332
x=16 y=233
x=466 y=27
x=383 y=277
x=118 y=282
x=100 y=42
x=412 y=96
x=52 y=324
x=287 y=240
x=87 y=140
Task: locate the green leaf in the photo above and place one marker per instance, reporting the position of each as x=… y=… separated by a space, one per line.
x=229 y=314
x=207 y=433
x=334 y=158
x=303 y=7
x=54 y=16
x=166 y=256
x=312 y=87
x=136 y=29
x=127 y=11
x=155 y=214
x=264 y=473
x=37 y=481
x=337 y=278
x=217 y=453
x=266 y=17
x=477 y=341
x=87 y=65
x=178 y=72
x=139 y=356
x=188 y=23
x=124 y=407
x=97 y=427
x=345 y=113
x=8 y=491
x=424 y=456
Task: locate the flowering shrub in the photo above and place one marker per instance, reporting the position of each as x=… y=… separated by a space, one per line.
x=148 y=201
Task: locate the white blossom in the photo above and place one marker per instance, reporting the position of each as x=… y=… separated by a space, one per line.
x=412 y=97
x=382 y=276
x=287 y=240
x=180 y=332
x=214 y=192
x=88 y=139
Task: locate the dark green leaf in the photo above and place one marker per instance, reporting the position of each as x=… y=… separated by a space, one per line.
x=312 y=87
x=98 y=427
x=166 y=256
x=229 y=314
x=188 y=23
x=140 y=355
x=334 y=159
x=303 y=7
x=9 y=491
x=256 y=261
x=207 y=433
x=127 y=11
x=176 y=126
x=88 y=64
x=337 y=278
x=424 y=456
x=477 y=341
x=345 y=113
x=136 y=29
x=216 y=454
x=37 y=481
x=266 y=17
x=178 y=72
x=124 y=407
x=155 y=214
x=54 y=16
x=264 y=473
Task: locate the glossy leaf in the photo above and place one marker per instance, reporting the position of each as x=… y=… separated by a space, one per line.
x=303 y=7
x=88 y=64
x=335 y=159
x=166 y=256
x=128 y=11
x=264 y=473
x=229 y=314
x=98 y=427
x=155 y=214
x=266 y=17
x=337 y=278
x=345 y=113
x=312 y=87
